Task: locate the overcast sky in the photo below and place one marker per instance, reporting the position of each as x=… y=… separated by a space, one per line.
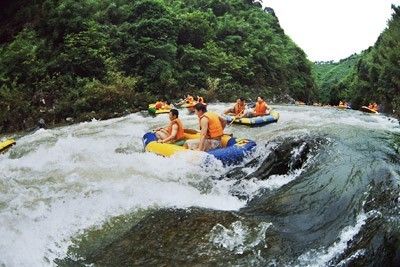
x=332 y=29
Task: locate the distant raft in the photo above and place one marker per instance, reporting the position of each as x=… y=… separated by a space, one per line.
x=188 y=105
x=153 y=111
x=191 y=105
x=6 y=144
x=233 y=150
x=273 y=116
x=343 y=107
x=369 y=110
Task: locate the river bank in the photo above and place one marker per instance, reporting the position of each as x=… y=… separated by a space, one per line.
x=47 y=119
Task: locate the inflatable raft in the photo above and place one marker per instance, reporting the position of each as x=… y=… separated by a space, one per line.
x=190 y=105
x=369 y=110
x=273 y=116
x=233 y=150
x=153 y=111
x=6 y=144
x=343 y=107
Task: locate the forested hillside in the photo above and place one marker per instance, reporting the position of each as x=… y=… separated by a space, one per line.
x=92 y=58
x=329 y=78
x=372 y=76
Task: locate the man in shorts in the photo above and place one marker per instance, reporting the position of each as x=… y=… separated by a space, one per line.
x=212 y=129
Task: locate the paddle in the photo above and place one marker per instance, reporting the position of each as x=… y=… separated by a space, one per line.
x=190 y=131
x=193 y=131
x=235 y=117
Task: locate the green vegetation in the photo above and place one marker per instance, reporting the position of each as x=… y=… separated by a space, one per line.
x=92 y=58
x=377 y=75
x=372 y=76
x=329 y=77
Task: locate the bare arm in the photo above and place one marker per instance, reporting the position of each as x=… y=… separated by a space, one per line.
x=172 y=135
x=203 y=133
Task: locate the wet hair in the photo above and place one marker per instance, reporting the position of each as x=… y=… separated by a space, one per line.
x=200 y=107
x=174 y=112
x=168 y=102
x=261 y=97
x=241 y=99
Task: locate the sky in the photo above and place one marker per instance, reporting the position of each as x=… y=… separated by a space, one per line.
x=332 y=29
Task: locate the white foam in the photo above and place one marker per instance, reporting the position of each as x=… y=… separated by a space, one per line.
x=323 y=256
x=56 y=183
x=79 y=179
x=240 y=238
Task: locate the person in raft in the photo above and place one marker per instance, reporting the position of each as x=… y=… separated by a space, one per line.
x=200 y=99
x=186 y=100
x=238 y=109
x=260 y=109
x=373 y=106
x=173 y=132
x=211 y=130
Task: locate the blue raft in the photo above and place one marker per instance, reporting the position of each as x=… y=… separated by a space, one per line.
x=273 y=116
x=233 y=150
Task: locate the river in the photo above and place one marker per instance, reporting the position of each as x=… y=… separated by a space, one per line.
x=76 y=194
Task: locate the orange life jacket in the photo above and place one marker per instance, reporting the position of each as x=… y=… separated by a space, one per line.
x=180 y=132
x=189 y=99
x=159 y=105
x=260 y=109
x=214 y=125
x=238 y=109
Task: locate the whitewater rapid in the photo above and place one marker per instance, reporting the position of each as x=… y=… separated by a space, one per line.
x=57 y=183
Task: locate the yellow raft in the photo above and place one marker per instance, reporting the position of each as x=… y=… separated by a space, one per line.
x=165 y=149
x=6 y=144
x=273 y=116
x=232 y=150
x=369 y=110
x=152 y=110
x=343 y=107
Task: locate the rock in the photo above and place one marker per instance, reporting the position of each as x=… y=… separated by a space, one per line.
x=155 y=241
x=283 y=98
x=41 y=123
x=288 y=155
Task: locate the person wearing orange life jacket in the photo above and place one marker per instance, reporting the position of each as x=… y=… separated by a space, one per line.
x=238 y=109
x=159 y=104
x=212 y=129
x=174 y=131
x=260 y=109
x=375 y=106
x=189 y=99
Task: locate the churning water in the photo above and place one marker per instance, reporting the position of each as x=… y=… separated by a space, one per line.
x=69 y=195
